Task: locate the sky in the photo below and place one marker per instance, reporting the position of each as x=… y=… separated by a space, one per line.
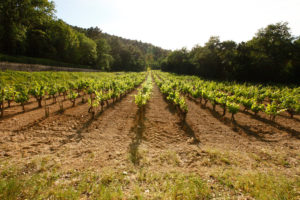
x=173 y=24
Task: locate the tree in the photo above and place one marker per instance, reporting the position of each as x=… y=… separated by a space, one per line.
x=206 y=59
x=87 y=50
x=104 y=59
x=179 y=62
x=271 y=52
x=136 y=59
x=227 y=55
x=63 y=42
x=271 y=56
x=94 y=33
x=296 y=60
x=16 y=17
x=242 y=68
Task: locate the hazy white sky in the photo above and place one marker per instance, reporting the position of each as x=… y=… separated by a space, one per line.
x=173 y=24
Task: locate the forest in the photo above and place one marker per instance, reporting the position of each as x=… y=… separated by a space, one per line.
x=272 y=55
x=31 y=29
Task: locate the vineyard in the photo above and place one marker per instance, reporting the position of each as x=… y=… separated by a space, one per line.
x=146 y=135
x=271 y=100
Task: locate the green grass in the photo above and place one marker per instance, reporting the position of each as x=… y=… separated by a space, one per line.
x=19 y=77
x=169 y=157
x=44 y=179
x=173 y=185
x=216 y=157
x=260 y=185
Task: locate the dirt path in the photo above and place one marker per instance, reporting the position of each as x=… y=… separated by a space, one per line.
x=161 y=143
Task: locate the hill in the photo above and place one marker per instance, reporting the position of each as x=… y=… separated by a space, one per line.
x=31 y=29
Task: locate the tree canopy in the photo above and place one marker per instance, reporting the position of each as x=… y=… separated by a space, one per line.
x=30 y=28
x=272 y=55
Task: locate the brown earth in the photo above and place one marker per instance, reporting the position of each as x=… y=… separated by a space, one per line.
x=159 y=142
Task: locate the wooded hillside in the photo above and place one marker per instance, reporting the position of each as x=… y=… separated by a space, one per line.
x=30 y=28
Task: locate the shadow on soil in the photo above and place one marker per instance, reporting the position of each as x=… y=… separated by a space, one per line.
x=189 y=131
x=139 y=129
x=108 y=104
x=78 y=135
x=91 y=119
x=30 y=125
x=292 y=132
x=288 y=117
x=26 y=110
x=184 y=124
x=19 y=113
x=236 y=126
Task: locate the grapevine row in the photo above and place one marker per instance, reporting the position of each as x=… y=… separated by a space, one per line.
x=51 y=85
x=269 y=99
x=100 y=93
x=172 y=95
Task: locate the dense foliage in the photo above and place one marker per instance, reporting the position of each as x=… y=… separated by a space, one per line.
x=172 y=94
x=233 y=97
x=143 y=95
x=30 y=28
x=100 y=87
x=273 y=55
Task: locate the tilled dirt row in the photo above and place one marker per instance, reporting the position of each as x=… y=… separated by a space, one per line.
x=72 y=137
x=161 y=141
x=15 y=119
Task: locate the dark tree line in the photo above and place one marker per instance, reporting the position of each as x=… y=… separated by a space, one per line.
x=273 y=55
x=30 y=28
